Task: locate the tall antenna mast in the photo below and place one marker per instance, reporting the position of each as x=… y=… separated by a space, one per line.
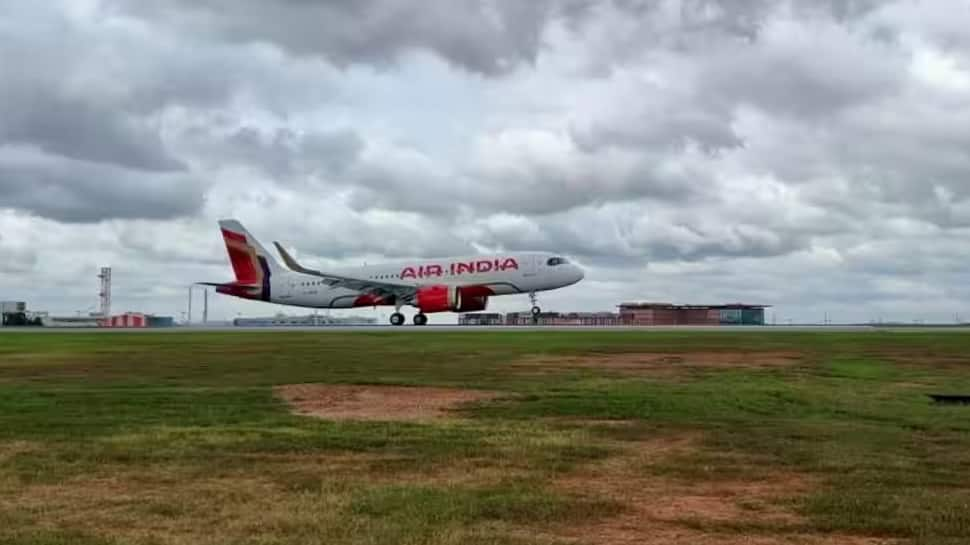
x=105 y=294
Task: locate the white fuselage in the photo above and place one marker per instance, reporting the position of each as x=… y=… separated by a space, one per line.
x=500 y=274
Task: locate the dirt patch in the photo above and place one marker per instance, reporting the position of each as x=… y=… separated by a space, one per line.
x=665 y=510
x=343 y=402
x=662 y=364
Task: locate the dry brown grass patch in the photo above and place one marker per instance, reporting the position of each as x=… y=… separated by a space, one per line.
x=666 y=510
x=132 y=509
x=294 y=496
x=345 y=402
x=10 y=449
x=660 y=364
x=921 y=360
x=387 y=469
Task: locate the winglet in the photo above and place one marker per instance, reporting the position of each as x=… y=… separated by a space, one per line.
x=288 y=259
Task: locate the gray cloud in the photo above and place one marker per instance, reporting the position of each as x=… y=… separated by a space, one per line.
x=53 y=102
x=281 y=153
x=747 y=18
x=376 y=175
x=17 y=259
x=72 y=191
x=83 y=131
x=635 y=233
x=522 y=172
x=544 y=172
x=108 y=91
x=489 y=37
x=403 y=179
x=806 y=69
x=139 y=240
x=667 y=127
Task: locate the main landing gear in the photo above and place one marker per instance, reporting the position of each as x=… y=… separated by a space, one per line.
x=397 y=319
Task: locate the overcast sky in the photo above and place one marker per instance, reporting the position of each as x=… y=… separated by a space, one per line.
x=811 y=154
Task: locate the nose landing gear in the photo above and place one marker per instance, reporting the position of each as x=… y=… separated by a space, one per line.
x=536 y=311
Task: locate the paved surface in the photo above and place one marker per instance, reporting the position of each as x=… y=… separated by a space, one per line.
x=458 y=328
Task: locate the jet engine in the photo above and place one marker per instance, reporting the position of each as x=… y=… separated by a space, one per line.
x=472 y=303
x=431 y=299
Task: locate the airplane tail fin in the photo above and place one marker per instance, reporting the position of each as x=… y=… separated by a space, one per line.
x=251 y=262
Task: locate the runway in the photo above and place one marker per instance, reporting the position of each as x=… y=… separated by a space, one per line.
x=510 y=329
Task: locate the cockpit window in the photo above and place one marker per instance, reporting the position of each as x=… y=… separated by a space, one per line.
x=554 y=261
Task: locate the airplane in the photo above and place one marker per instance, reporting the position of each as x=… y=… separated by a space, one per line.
x=455 y=284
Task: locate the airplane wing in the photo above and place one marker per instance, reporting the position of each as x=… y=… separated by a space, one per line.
x=404 y=292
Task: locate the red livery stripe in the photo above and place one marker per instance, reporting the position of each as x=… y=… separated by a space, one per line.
x=368 y=300
x=229 y=235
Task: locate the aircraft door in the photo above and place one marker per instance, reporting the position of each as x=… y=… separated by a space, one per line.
x=284 y=289
x=529 y=266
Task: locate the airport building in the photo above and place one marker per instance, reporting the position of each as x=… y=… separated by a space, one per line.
x=136 y=320
x=482 y=318
x=14 y=313
x=569 y=318
x=312 y=320
x=72 y=321
x=669 y=314
x=632 y=314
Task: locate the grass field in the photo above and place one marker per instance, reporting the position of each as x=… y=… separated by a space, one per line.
x=594 y=437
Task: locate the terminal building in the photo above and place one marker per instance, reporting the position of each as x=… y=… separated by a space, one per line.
x=632 y=314
x=566 y=318
x=669 y=314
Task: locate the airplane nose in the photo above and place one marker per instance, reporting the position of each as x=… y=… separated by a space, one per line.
x=580 y=273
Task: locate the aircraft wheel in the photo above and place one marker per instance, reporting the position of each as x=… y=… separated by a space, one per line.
x=397 y=319
x=420 y=319
x=535 y=306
